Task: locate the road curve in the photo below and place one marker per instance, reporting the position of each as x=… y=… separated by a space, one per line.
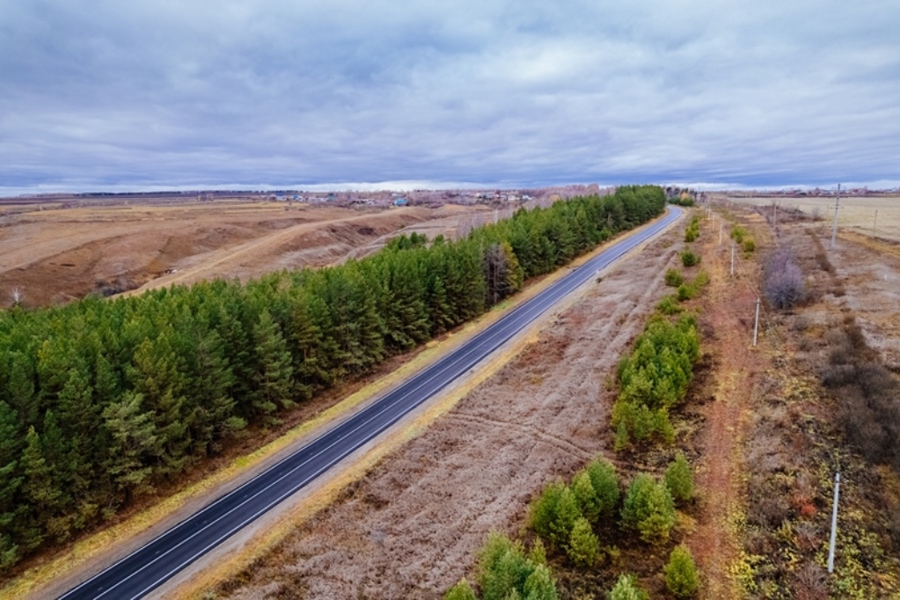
x=150 y=566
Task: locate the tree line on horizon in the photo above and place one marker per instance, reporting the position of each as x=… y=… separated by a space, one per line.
x=102 y=400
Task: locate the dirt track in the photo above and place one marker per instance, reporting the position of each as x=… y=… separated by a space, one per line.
x=411 y=528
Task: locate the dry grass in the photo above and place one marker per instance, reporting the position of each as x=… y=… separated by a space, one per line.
x=856 y=214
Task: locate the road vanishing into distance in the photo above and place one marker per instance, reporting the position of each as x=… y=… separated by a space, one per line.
x=150 y=566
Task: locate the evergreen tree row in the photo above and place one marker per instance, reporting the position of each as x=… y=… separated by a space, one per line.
x=654 y=379
x=102 y=400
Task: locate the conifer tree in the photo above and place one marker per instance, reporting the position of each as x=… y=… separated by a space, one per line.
x=583 y=547
x=273 y=377
x=682 y=578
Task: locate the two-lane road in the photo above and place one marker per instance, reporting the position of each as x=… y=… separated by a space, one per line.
x=160 y=559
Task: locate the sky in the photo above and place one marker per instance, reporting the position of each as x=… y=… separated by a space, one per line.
x=106 y=95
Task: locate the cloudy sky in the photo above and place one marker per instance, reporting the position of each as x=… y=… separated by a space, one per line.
x=148 y=94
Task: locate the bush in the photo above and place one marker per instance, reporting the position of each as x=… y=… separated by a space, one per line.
x=606 y=485
x=505 y=572
x=682 y=578
x=554 y=512
x=685 y=292
x=738 y=233
x=783 y=280
x=668 y=305
x=673 y=278
x=690 y=234
x=701 y=280
x=586 y=497
x=627 y=589
x=539 y=585
x=584 y=547
x=461 y=591
x=749 y=245
x=502 y=567
x=680 y=479
x=649 y=509
x=689 y=259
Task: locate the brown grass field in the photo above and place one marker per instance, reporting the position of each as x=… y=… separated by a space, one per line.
x=856 y=214
x=50 y=254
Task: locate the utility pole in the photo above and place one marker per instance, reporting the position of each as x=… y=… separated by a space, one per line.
x=732 y=258
x=756 y=323
x=875 y=222
x=834 y=227
x=837 y=490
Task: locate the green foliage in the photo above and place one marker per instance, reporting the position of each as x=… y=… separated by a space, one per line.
x=653 y=379
x=504 y=571
x=668 y=305
x=648 y=509
x=540 y=585
x=680 y=479
x=102 y=400
x=606 y=485
x=627 y=589
x=748 y=245
x=689 y=259
x=738 y=234
x=674 y=278
x=686 y=292
x=693 y=230
x=461 y=591
x=682 y=578
x=583 y=548
x=554 y=512
x=686 y=201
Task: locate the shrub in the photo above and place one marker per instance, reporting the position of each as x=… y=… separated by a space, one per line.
x=505 y=572
x=586 y=497
x=690 y=234
x=502 y=567
x=461 y=591
x=673 y=278
x=783 y=280
x=627 y=589
x=738 y=233
x=689 y=259
x=748 y=245
x=554 y=512
x=686 y=292
x=538 y=553
x=648 y=509
x=701 y=280
x=606 y=485
x=682 y=578
x=680 y=479
x=584 y=547
x=540 y=585
x=668 y=305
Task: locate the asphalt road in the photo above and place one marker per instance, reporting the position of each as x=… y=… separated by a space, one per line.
x=153 y=564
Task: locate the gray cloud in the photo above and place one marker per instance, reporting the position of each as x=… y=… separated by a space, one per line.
x=143 y=93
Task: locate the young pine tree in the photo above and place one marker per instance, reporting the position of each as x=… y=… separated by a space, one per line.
x=649 y=509
x=680 y=479
x=583 y=547
x=627 y=589
x=682 y=578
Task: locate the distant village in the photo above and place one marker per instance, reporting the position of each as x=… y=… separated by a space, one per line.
x=380 y=199
x=496 y=198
